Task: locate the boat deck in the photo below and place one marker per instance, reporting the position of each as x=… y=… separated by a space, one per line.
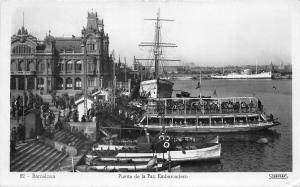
x=197 y=115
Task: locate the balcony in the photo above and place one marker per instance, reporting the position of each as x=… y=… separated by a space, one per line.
x=22 y=72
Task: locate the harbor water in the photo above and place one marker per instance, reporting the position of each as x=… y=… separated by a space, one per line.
x=241 y=152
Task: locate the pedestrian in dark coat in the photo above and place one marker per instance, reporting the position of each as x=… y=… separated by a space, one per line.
x=13 y=139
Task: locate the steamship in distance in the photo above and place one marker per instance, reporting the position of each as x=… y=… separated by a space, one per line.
x=245 y=74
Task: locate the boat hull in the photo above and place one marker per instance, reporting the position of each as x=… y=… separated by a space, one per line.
x=160 y=167
x=211 y=129
x=265 y=75
x=208 y=153
x=150 y=89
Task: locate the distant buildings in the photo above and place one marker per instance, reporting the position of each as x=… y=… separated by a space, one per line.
x=59 y=63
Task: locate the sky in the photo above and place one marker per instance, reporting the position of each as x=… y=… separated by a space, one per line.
x=207 y=32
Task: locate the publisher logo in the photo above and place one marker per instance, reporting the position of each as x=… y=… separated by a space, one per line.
x=278 y=176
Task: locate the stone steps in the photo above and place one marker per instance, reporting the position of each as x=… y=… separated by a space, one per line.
x=66 y=137
x=52 y=163
x=36 y=156
x=29 y=161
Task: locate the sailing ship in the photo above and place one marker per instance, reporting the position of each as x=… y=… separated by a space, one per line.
x=198 y=114
x=157 y=86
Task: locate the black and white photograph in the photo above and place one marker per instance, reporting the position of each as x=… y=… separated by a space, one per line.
x=150 y=92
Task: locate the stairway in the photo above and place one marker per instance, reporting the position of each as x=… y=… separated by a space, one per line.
x=35 y=156
x=67 y=137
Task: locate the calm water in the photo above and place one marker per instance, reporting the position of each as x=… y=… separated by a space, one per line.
x=240 y=151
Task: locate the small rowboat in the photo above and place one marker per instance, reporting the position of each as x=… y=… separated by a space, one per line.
x=102 y=147
x=184 y=154
x=179 y=154
x=160 y=168
x=121 y=159
x=106 y=164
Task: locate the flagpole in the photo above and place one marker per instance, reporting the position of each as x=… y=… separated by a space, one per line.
x=200 y=84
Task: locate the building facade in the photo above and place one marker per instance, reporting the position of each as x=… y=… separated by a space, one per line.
x=62 y=63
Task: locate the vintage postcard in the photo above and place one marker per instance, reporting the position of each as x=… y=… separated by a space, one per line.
x=150 y=92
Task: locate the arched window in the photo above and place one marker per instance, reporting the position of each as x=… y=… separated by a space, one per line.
x=69 y=66
x=31 y=66
x=78 y=84
x=21 y=50
x=59 y=83
x=69 y=83
x=78 y=66
x=21 y=66
x=40 y=82
x=13 y=66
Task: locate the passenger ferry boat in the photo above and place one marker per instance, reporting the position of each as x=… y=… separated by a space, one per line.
x=205 y=115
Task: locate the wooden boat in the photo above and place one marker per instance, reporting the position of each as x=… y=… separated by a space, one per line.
x=165 y=168
x=175 y=148
x=107 y=164
x=205 y=115
x=188 y=139
x=184 y=155
x=121 y=159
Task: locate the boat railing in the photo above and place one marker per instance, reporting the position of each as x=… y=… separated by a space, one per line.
x=203 y=106
x=199 y=124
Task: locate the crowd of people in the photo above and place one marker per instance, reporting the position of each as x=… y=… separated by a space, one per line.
x=207 y=106
x=20 y=104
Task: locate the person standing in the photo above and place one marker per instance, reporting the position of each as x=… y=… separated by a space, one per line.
x=13 y=139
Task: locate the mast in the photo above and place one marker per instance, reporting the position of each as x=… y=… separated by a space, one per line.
x=85 y=81
x=125 y=70
x=157 y=44
x=256 y=65
x=200 y=84
x=23 y=19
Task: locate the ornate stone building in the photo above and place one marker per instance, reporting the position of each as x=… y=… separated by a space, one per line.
x=60 y=63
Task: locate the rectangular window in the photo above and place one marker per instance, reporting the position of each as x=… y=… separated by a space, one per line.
x=61 y=66
x=91 y=82
x=69 y=67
